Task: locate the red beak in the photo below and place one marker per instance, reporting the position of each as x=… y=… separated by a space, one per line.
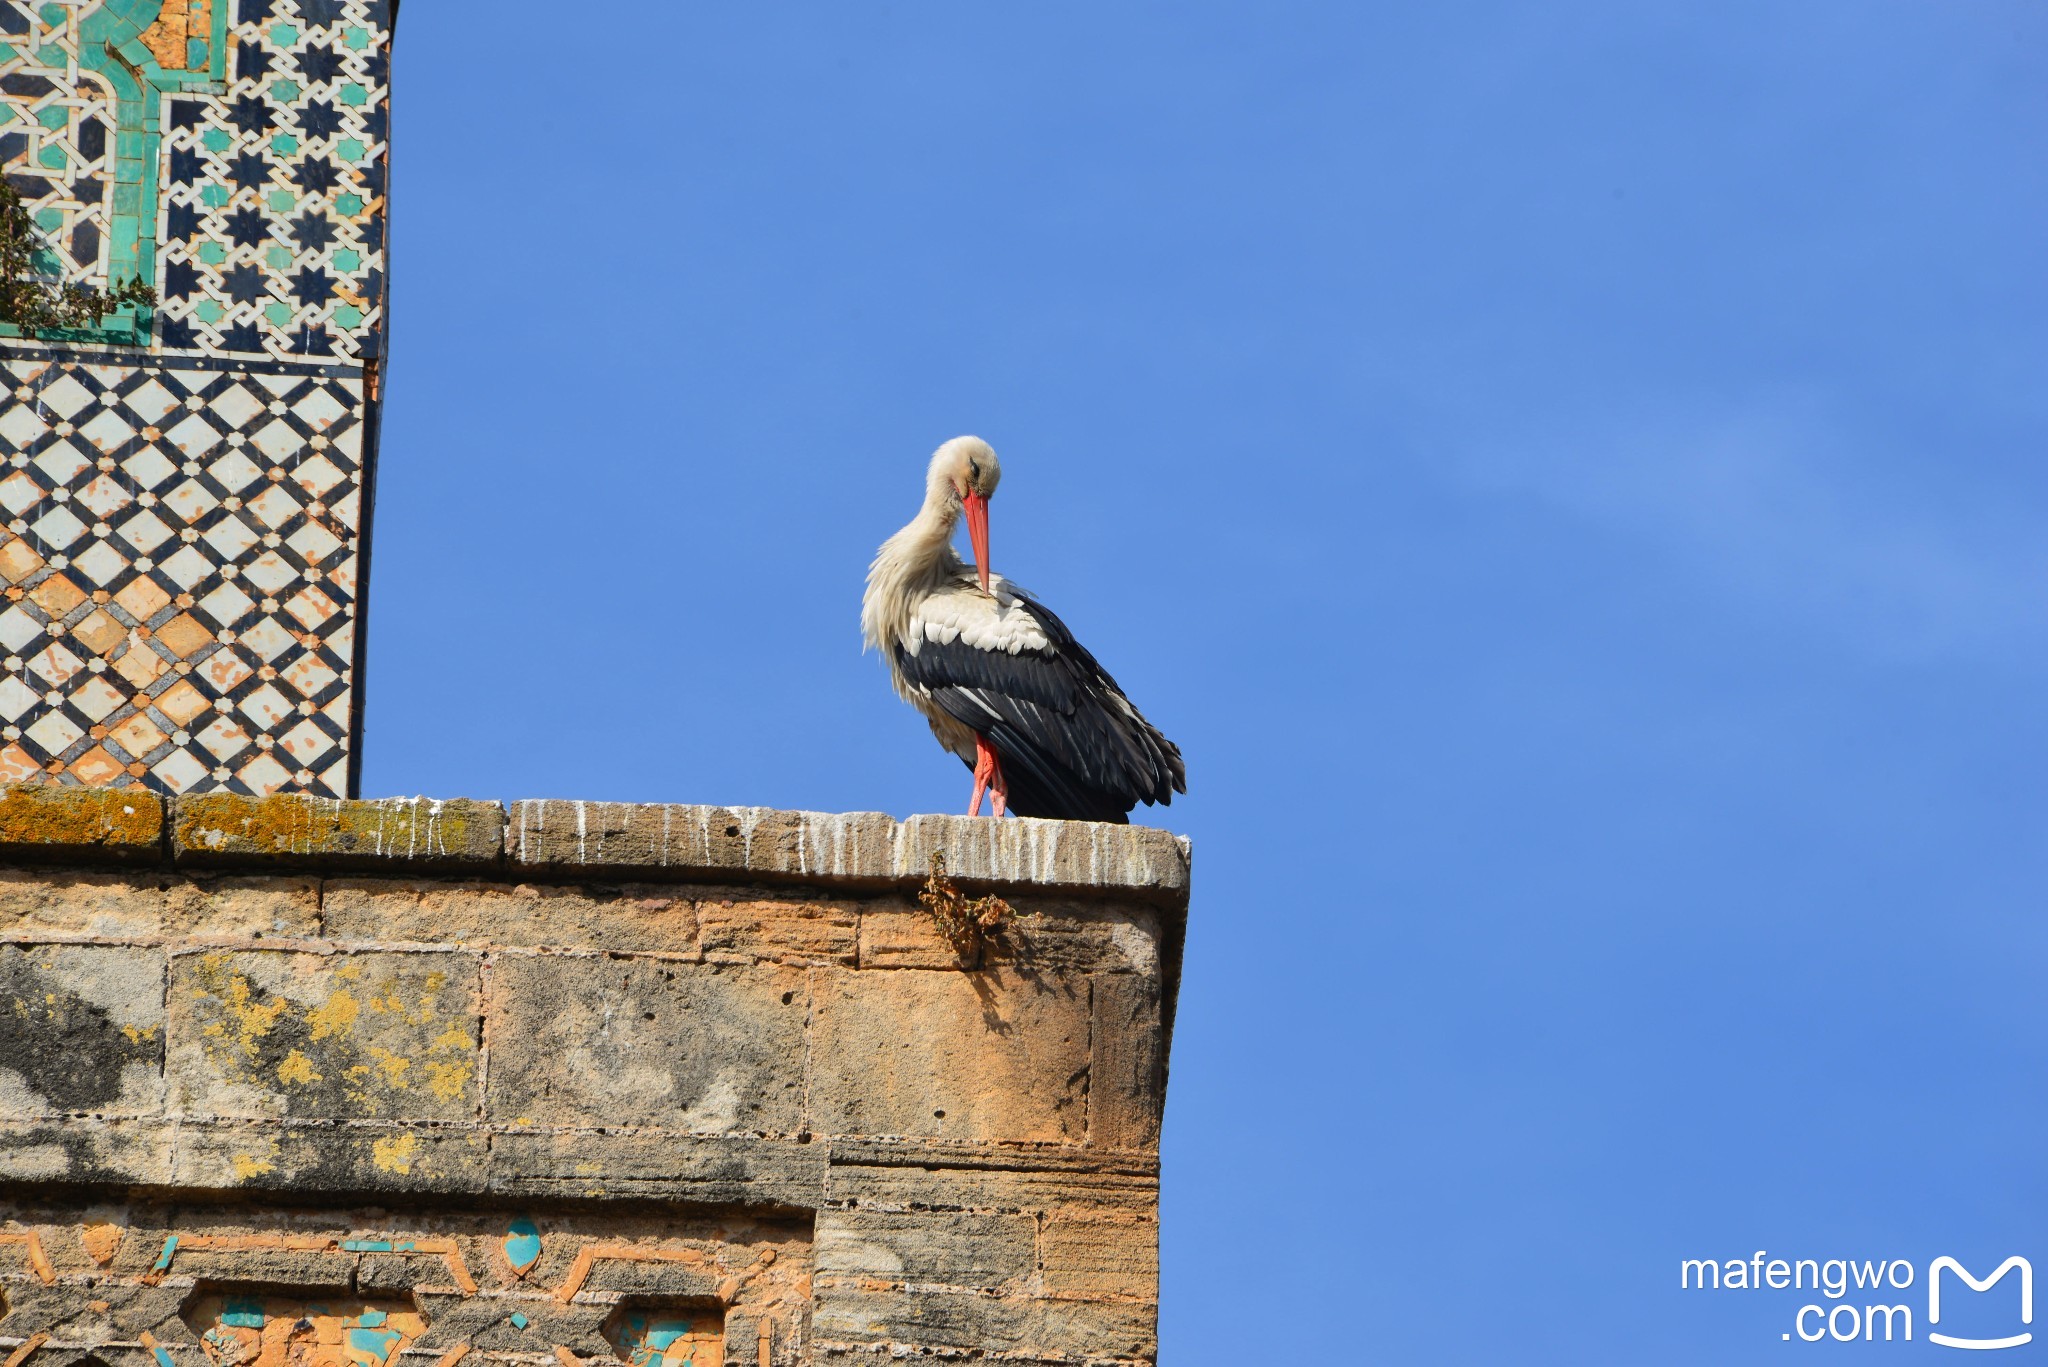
x=977 y=532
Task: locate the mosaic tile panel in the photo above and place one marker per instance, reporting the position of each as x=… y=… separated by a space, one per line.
x=272 y=229
x=83 y=84
x=180 y=559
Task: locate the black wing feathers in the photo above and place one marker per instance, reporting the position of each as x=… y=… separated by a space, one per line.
x=1071 y=743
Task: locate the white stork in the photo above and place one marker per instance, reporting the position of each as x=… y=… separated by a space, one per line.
x=1004 y=684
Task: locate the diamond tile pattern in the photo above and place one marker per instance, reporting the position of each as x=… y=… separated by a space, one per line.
x=179 y=559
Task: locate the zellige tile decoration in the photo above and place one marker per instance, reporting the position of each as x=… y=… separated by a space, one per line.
x=182 y=490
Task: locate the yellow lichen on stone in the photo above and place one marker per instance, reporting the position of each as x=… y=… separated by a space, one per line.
x=335 y=1016
x=58 y=814
x=297 y=1068
x=249 y=1019
x=448 y=1076
x=395 y=1067
x=137 y=1034
x=394 y=1154
x=447 y=1080
x=247 y=1167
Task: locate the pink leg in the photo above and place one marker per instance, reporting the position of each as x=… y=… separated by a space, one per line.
x=984 y=768
x=998 y=787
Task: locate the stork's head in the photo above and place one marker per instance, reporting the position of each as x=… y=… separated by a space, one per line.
x=966 y=470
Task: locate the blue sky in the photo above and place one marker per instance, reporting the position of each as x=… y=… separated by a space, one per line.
x=1570 y=477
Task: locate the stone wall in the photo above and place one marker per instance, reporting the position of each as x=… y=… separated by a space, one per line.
x=397 y=1083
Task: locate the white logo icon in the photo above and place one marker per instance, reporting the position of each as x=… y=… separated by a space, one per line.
x=1934 y=1272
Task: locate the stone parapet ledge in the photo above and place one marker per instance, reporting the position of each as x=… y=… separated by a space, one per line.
x=851 y=847
x=565 y=839
x=48 y=824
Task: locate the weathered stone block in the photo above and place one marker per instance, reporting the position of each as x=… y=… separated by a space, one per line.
x=1065 y=937
x=68 y=902
x=989 y=1189
x=81 y=1030
x=348 y=1036
x=899 y=934
x=849 y=848
x=1127 y=1088
x=305 y=1158
x=1054 y=1329
x=987 y=1055
x=633 y=919
x=745 y=927
x=85 y=1152
x=44 y=823
x=1057 y=854
x=273 y=906
x=1116 y=1258
x=973 y=1252
x=705 y=1048
x=222 y=828
x=709 y=1170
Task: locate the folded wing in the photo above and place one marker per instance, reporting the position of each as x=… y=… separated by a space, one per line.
x=1072 y=745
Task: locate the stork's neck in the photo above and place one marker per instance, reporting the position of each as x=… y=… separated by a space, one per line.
x=910 y=565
